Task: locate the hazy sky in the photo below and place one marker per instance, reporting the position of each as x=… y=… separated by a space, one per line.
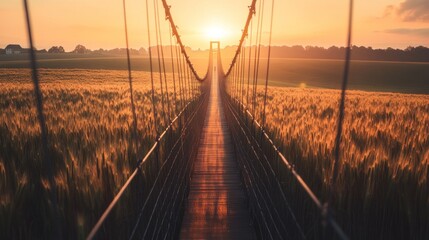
x=99 y=23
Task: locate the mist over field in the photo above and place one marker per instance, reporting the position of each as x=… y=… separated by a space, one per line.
x=401 y=77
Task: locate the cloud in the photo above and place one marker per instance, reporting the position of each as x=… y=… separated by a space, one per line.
x=422 y=32
x=411 y=10
x=389 y=10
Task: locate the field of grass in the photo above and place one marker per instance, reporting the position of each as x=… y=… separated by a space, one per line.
x=93 y=61
x=89 y=122
x=364 y=75
x=315 y=73
x=383 y=184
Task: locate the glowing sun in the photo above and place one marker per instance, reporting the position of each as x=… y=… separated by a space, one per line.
x=215 y=33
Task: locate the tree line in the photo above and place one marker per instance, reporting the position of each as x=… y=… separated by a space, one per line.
x=409 y=54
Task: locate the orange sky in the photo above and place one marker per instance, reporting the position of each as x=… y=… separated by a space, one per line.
x=99 y=24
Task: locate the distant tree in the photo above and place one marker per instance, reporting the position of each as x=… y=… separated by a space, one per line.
x=99 y=51
x=55 y=49
x=80 y=49
x=142 y=51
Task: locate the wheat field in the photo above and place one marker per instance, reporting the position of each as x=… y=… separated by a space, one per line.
x=89 y=121
x=382 y=188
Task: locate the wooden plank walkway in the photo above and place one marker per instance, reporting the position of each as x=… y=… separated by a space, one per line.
x=217 y=206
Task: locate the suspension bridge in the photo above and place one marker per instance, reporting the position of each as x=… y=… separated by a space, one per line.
x=214 y=172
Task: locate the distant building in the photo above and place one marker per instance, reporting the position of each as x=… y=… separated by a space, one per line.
x=2 y=51
x=13 y=49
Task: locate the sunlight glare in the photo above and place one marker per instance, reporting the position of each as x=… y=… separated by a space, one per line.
x=215 y=33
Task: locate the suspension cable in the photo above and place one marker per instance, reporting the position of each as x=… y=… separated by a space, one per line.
x=158 y=52
x=42 y=123
x=341 y=108
x=133 y=108
x=163 y=63
x=172 y=69
x=179 y=40
x=243 y=70
x=180 y=72
x=257 y=59
x=250 y=58
x=240 y=58
x=268 y=65
x=323 y=208
x=243 y=36
x=151 y=72
x=186 y=74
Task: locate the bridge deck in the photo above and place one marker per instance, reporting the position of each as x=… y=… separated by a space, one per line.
x=217 y=204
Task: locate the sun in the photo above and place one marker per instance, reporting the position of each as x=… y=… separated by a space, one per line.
x=215 y=33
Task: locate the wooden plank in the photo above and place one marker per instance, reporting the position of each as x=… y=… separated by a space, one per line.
x=217 y=205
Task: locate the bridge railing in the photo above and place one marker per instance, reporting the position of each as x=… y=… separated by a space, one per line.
x=157 y=187
x=153 y=194
x=149 y=203
x=282 y=203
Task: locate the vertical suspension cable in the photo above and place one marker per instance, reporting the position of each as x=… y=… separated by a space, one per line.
x=186 y=74
x=151 y=71
x=248 y=68
x=232 y=84
x=233 y=81
x=163 y=64
x=239 y=65
x=240 y=70
x=243 y=70
x=188 y=78
x=173 y=70
x=159 y=60
x=257 y=59
x=185 y=88
x=342 y=103
x=195 y=86
x=183 y=70
x=191 y=79
x=268 y=66
x=179 y=69
x=133 y=108
x=42 y=124
x=238 y=74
